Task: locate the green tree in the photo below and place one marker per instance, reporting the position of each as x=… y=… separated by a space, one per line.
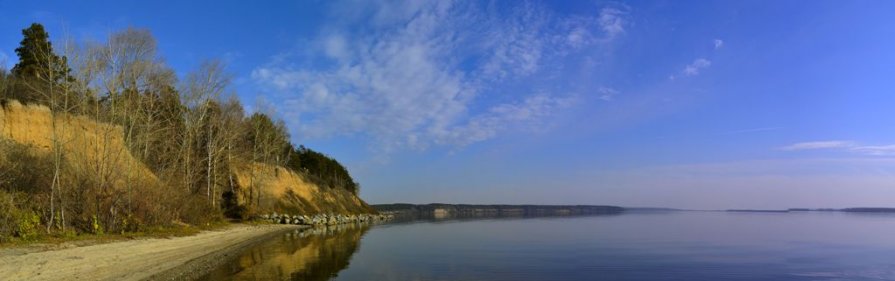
x=40 y=73
x=321 y=168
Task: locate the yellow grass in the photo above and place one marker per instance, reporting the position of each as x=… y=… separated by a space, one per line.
x=86 y=144
x=285 y=191
x=99 y=148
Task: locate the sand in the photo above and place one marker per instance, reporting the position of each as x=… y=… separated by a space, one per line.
x=180 y=258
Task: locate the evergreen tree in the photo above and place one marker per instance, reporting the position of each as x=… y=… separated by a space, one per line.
x=323 y=169
x=39 y=72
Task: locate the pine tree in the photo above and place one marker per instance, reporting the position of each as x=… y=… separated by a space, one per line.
x=39 y=72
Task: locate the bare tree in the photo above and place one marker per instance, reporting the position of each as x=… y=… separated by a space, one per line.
x=112 y=78
x=201 y=88
x=44 y=78
x=268 y=140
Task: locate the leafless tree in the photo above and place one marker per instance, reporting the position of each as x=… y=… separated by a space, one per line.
x=200 y=89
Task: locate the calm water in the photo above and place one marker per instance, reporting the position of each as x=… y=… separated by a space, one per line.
x=632 y=246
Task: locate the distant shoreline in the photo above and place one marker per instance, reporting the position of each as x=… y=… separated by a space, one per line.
x=443 y=211
x=758 y=211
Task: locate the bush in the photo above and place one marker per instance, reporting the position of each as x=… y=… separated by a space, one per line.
x=16 y=218
x=28 y=224
x=22 y=176
x=8 y=214
x=21 y=170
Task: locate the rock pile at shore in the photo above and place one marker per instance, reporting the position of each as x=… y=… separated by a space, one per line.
x=323 y=219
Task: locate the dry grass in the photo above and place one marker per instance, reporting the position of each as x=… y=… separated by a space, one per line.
x=95 y=154
x=286 y=191
x=89 y=145
x=57 y=241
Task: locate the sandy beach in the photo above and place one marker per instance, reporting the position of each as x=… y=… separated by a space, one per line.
x=179 y=258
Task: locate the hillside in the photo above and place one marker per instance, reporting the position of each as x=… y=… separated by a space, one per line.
x=87 y=145
x=122 y=142
x=91 y=148
x=285 y=191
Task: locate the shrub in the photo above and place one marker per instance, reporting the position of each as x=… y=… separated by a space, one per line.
x=96 y=227
x=8 y=214
x=28 y=224
x=21 y=170
x=16 y=218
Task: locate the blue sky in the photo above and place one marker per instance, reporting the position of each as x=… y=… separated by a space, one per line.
x=690 y=104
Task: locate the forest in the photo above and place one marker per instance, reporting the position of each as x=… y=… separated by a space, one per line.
x=190 y=131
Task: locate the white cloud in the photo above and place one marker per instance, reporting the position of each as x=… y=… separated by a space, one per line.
x=612 y=21
x=878 y=150
x=693 y=69
x=850 y=146
x=699 y=64
x=527 y=113
x=517 y=45
x=417 y=76
x=582 y=31
x=818 y=145
x=334 y=46
x=606 y=94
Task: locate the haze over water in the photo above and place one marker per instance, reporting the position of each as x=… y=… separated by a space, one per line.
x=630 y=246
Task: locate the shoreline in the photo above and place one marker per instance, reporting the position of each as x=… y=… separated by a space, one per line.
x=178 y=258
x=200 y=266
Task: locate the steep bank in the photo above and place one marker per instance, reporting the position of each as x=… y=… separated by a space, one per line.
x=284 y=191
x=90 y=147
x=93 y=148
x=437 y=210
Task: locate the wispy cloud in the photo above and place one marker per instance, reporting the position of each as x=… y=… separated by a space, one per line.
x=697 y=65
x=416 y=76
x=879 y=150
x=850 y=146
x=612 y=21
x=818 y=145
x=606 y=94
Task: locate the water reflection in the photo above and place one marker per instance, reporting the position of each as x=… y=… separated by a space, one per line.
x=317 y=253
x=630 y=246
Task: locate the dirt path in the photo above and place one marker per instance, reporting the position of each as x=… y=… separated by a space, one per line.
x=157 y=258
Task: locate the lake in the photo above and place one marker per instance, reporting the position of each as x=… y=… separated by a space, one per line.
x=629 y=246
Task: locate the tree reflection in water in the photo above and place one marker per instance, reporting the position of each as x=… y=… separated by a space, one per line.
x=317 y=253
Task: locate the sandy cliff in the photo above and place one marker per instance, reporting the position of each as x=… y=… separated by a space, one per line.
x=93 y=146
